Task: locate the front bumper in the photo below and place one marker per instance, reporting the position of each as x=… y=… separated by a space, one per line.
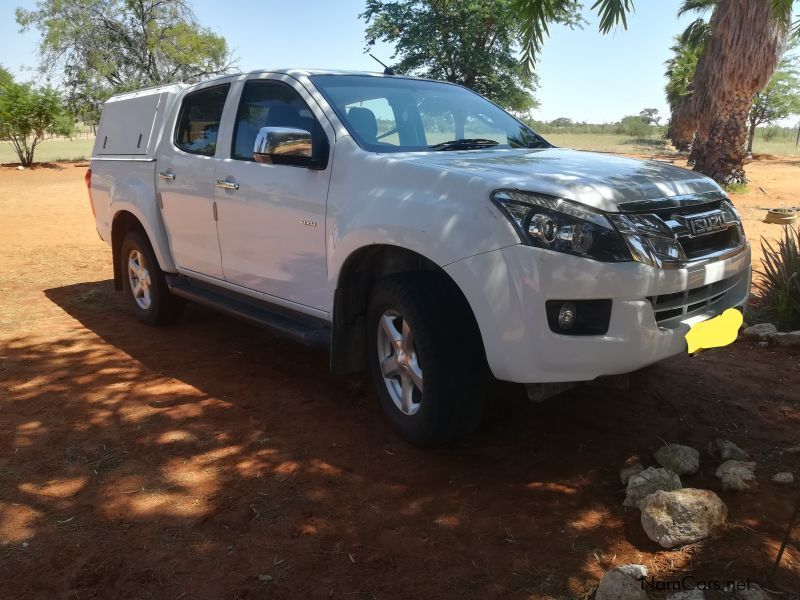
x=507 y=290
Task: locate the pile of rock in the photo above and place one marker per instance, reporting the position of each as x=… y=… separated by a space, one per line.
x=767 y=333
x=673 y=515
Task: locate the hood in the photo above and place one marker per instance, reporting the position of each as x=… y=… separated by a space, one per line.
x=602 y=181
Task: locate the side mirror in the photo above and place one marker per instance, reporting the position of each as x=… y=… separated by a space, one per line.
x=286 y=146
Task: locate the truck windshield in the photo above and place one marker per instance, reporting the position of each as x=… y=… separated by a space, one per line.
x=396 y=114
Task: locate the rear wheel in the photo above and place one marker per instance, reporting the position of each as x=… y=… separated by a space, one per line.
x=425 y=358
x=144 y=283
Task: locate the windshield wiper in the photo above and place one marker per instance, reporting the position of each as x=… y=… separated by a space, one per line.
x=465 y=144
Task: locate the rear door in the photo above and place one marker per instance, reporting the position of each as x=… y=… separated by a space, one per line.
x=186 y=180
x=272 y=217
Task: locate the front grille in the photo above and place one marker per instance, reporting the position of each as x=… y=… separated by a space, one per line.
x=671 y=309
x=703 y=245
x=670 y=233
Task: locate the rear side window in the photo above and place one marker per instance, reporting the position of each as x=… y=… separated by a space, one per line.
x=270 y=104
x=198 y=123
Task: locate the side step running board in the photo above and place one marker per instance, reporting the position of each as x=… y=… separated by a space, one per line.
x=302 y=328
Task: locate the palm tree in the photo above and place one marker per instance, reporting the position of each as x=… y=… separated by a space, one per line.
x=680 y=85
x=680 y=74
x=747 y=39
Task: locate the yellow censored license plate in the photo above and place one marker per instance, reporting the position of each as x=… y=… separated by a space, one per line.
x=715 y=332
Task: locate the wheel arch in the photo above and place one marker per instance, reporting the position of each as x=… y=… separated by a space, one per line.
x=360 y=271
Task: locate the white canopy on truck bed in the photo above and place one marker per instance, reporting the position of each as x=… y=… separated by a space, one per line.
x=131 y=122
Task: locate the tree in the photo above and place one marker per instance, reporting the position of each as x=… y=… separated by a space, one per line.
x=634 y=126
x=29 y=115
x=561 y=122
x=472 y=43
x=780 y=99
x=650 y=116
x=109 y=46
x=680 y=72
x=747 y=38
x=680 y=85
x=5 y=77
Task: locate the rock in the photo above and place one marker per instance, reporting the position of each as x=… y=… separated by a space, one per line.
x=736 y=475
x=763 y=344
x=649 y=481
x=727 y=450
x=784 y=478
x=20 y=168
x=626 y=472
x=793 y=449
x=786 y=339
x=622 y=583
x=683 y=516
x=694 y=594
x=760 y=331
x=682 y=460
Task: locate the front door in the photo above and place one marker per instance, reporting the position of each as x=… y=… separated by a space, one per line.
x=186 y=181
x=272 y=217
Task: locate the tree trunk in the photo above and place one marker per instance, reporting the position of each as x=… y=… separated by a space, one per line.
x=742 y=53
x=720 y=152
x=751 y=134
x=682 y=126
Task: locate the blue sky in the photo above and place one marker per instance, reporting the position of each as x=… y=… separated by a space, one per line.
x=582 y=74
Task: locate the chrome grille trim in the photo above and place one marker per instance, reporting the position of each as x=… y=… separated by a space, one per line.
x=671 y=227
x=671 y=309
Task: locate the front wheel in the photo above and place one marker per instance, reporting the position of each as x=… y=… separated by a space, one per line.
x=425 y=358
x=144 y=284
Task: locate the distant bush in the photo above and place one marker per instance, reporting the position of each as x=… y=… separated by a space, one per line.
x=562 y=122
x=770 y=133
x=634 y=126
x=780 y=277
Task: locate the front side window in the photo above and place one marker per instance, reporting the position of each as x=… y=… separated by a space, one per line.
x=198 y=123
x=397 y=114
x=270 y=104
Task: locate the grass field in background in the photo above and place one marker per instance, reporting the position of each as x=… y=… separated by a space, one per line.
x=52 y=150
x=610 y=142
x=81 y=148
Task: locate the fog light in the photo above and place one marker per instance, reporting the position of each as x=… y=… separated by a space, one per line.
x=578 y=317
x=566 y=315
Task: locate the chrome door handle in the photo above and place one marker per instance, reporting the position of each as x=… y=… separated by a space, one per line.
x=227 y=185
x=166 y=175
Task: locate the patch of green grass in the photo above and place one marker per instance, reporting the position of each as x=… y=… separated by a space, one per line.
x=52 y=150
x=735 y=188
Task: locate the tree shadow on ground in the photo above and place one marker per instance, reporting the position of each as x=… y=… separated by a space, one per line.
x=214 y=460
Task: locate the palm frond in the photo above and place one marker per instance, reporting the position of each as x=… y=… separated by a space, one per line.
x=534 y=16
x=696 y=6
x=782 y=9
x=613 y=13
x=696 y=34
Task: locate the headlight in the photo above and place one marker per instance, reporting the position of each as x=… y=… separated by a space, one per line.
x=563 y=226
x=649 y=239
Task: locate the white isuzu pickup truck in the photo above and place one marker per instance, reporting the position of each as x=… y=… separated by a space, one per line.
x=413 y=228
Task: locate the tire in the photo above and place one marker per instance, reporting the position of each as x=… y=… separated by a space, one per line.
x=445 y=356
x=151 y=301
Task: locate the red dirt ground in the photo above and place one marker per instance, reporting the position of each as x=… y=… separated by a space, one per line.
x=213 y=460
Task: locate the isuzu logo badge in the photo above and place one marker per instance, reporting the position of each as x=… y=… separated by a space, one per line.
x=705 y=224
